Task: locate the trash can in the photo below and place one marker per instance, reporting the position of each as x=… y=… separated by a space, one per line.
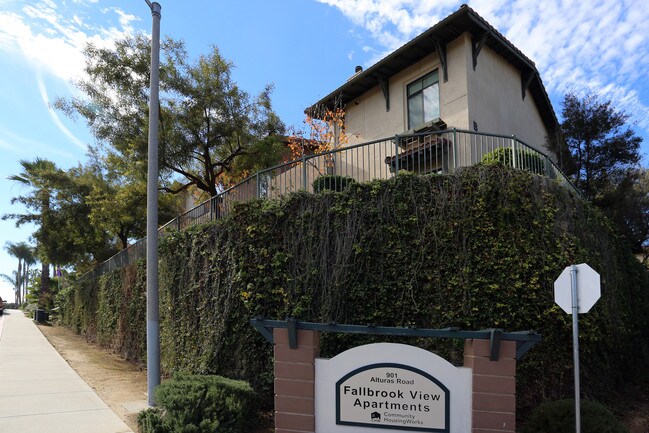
x=41 y=316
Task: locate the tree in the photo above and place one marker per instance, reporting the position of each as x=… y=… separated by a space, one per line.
x=605 y=153
x=24 y=254
x=55 y=203
x=40 y=176
x=602 y=146
x=79 y=241
x=12 y=250
x=28 y=260
x=117 y=201
x=214 y=121
x=628 y=205
x=324 y=131
x=206 y=120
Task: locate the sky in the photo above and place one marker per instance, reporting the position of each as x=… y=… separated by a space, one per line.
x=305 y=48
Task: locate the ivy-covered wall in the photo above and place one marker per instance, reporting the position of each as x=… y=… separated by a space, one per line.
x=474 y=250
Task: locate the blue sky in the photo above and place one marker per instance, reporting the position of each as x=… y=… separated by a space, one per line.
x=306 y=48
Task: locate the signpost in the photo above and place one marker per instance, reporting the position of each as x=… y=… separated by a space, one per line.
x=576 y=290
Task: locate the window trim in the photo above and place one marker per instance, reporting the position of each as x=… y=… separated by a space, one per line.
x=421 y=79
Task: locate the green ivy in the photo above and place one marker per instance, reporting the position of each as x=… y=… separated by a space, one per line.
x=474 y=250
x=111 y=310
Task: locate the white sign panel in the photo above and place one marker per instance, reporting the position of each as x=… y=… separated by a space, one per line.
x=388 y=387
x=392 y=395
x=588 y=288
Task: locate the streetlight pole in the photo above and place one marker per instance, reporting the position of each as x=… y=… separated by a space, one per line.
x=152 y=306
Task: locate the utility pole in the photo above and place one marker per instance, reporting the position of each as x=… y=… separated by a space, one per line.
x=152 y=306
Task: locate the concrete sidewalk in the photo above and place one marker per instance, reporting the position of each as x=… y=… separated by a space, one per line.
x=39 y=391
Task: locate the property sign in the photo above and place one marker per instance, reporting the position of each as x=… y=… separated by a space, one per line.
x=393 y=396
x=387 y=387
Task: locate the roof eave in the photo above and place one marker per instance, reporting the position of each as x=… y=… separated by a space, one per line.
x=369 y=78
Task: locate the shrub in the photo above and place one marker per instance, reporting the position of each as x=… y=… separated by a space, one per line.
x=559 y=417
x=200 y=404
x=150 y=421
x=333 y=182
x=527 y=160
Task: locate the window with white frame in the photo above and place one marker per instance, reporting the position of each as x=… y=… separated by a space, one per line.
x=423 y=99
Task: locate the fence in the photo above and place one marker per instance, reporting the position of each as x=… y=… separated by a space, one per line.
x=432 y=152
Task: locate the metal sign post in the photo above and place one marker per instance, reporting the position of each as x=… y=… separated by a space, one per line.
x=576 y=291
x=575 y=344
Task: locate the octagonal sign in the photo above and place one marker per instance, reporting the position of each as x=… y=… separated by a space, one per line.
x=588 y=289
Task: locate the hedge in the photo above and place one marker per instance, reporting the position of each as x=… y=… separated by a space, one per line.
x=526 y=159
x=559 y=417
x=200 y=404
x=332 y=182
x=477 y=249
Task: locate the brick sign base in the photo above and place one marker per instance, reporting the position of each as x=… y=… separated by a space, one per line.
x=494 y=384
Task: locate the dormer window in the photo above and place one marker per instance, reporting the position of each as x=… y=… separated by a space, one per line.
x=423 y=99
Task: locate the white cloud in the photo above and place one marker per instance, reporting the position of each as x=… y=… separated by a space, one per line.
x=599 y=45
x=53 y=39
x=55 y=116
x=125 y=19
x=51 y=36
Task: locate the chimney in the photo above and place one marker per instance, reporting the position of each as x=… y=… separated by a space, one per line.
x=357 y=70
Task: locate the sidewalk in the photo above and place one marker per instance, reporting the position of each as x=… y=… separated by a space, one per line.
x=39 y=391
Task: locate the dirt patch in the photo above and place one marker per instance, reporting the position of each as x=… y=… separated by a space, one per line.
x=637 y=417
x=119 y=383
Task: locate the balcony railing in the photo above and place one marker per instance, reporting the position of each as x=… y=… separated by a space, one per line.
x=432 y=152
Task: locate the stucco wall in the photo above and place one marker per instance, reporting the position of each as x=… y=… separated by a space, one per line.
x=489 y=96
x=495 y=100
x=366 y=118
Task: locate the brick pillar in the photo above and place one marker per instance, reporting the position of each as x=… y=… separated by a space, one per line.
x=494 y=386
x=295 y=381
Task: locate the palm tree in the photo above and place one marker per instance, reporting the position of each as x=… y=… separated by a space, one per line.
x=13 y=250
x=41 y=176
x=23 y=253
x=28 y=260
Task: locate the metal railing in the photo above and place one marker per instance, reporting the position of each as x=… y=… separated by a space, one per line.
x=423 y=153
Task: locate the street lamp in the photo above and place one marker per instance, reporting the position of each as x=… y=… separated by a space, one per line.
x=152 y=306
